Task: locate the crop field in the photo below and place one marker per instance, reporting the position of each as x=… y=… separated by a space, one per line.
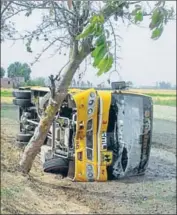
x=160 y=97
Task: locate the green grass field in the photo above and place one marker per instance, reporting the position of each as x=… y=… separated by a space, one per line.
x=6 y=92
x=165 y=102
x=160 y=97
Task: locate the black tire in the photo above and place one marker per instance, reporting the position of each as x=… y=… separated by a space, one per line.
x=57 y=165
x=22 y=102
x=22 y=94
x=24 y=88
x=24 y=137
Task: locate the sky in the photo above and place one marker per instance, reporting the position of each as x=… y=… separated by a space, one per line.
x=143 y=60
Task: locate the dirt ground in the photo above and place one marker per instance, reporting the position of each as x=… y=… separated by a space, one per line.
x=42 y=193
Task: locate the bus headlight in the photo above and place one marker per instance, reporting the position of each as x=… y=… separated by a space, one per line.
x=90 y=110
x=92 y=95
x=91 y=102
x=90 y=174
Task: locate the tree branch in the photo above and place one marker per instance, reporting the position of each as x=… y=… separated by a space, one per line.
x=66 y=20
x=109 y=9
x=8 y=4
x=44 y=50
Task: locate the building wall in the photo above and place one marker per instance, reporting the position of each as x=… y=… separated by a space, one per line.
x=12 y=82
x=6 y=83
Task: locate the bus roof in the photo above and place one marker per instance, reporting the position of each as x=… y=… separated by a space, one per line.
x=77 y=89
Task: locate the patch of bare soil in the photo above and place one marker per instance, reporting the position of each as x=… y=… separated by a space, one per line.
x=37 y=193
x=42 y=193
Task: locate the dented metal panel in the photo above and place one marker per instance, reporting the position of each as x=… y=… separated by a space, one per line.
x=129 y=134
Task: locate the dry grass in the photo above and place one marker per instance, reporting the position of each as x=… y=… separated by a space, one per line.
x=7 y=100
x=7 y=89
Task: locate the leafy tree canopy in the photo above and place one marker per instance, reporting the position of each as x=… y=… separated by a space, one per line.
x=2 y=72
x=40 y=81
x=18 y=69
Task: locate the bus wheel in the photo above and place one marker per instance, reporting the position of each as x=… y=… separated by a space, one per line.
x=22 y=102
x=57 y=166
x=22 y=137
x=22 y=94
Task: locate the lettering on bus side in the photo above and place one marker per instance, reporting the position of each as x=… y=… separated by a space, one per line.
x=104 y=140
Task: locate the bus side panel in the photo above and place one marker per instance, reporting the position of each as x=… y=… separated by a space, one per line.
x=104 y=156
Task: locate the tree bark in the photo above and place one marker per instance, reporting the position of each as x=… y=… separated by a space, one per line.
x=41 y=131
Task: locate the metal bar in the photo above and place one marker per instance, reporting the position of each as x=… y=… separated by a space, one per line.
x=50 y=137
x=61 y=156
x=33 y=122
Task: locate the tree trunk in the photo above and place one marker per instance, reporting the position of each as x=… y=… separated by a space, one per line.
x=41 y=131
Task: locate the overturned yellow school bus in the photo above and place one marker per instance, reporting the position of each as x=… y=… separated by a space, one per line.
x=97 y=135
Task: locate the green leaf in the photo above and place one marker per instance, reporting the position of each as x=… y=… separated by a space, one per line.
x=139 y=16
x=135 y=11
x=157 y=33
x=98 y=30
x=94 y=19
x=103 y=63
x=96 y=50
x=156 y=19
x=110 y=62
x=100 y=56
x=97 y=19
x=101 y=19
x=89 y=30
x=101 y=40
x=106 y=64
